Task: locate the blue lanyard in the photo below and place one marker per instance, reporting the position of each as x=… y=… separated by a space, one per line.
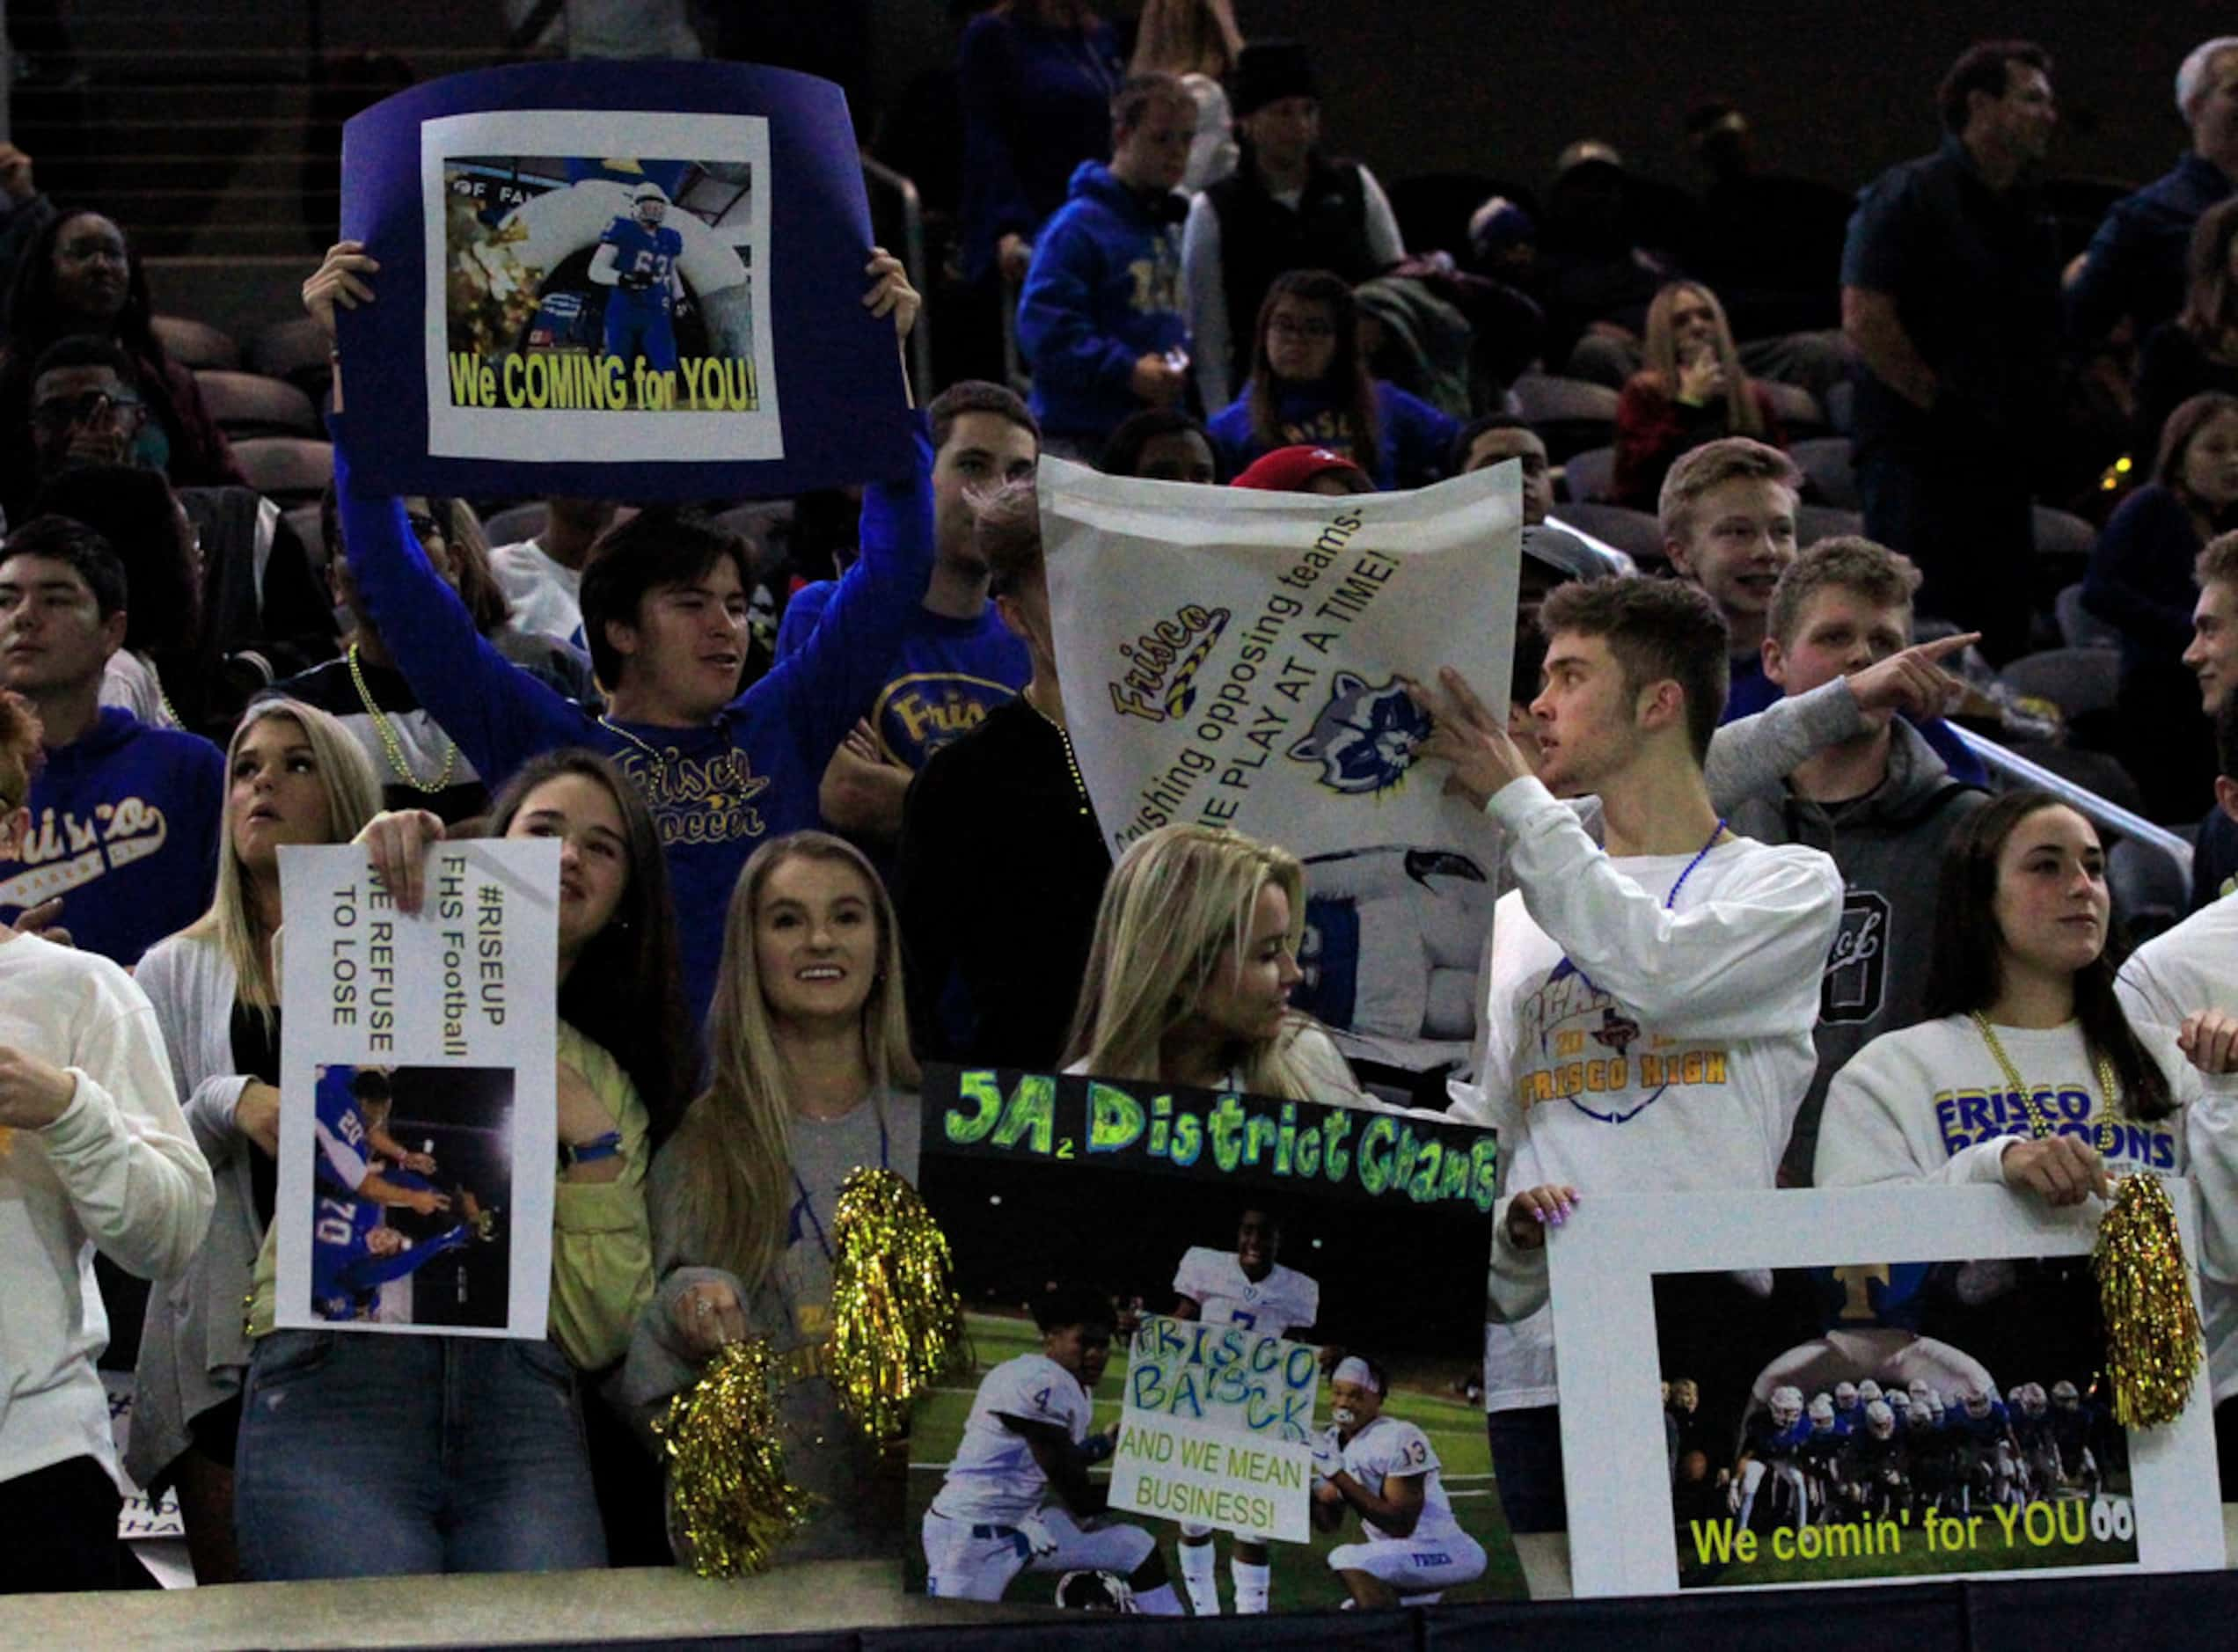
x=1668 y=901
x=804 y=1206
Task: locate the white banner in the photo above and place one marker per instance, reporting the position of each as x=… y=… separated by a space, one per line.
x=418 y=1124
x=1234 y=658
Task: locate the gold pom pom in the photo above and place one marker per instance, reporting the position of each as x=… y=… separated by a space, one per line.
x=896 y=1323
x=729 y=1499
x=2153 y=1341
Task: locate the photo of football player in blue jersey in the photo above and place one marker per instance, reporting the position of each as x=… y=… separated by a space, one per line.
x=411 y=1171
x=637 y=258
x=613 y=283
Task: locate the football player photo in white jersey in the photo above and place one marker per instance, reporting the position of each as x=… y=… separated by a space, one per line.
x=1248 y=1287
x=1412 y=1549
x=1017 y=1498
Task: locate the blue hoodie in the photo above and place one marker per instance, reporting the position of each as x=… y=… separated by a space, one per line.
x=1105 y=289
x=1413 y=438
x=125 y=823
x=717 y=792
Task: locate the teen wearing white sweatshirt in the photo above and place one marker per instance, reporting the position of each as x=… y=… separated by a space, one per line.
x=94 y=1151
x=1649 y=1006
x=2029 y=1072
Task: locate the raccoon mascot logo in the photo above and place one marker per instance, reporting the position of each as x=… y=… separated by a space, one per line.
x=1365 y=738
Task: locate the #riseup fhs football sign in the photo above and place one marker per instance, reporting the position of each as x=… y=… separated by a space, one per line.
x=1235 y=658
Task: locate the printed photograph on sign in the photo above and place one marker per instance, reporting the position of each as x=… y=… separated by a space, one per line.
x=1890 y=1419
x=1222 y=1344
x=600 y=284
x=412 y=1176
x=596 y=288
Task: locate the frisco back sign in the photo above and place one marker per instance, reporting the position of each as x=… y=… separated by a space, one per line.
x=1216 y=1427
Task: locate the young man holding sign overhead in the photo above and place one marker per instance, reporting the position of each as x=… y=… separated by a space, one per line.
x=1650 y=1006
x=665 y=615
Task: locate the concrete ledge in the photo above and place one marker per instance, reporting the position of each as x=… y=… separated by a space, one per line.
x=588 y=1607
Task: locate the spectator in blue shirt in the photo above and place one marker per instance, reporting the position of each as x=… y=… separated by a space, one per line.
x=1310 y=387
x=1950 y=298
x=122 y=845
x=957 y=660
x=2134 y=267
x=2199 y=350
x=1099 y=322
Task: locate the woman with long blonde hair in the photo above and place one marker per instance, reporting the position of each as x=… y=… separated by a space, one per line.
x=1188 y=982
x=294 y=775
x=1190 y=972
x=1692 y=389
x=813 y=1079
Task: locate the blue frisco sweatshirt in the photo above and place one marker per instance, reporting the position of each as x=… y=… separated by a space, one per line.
x=1104 y=290
x=1413 y=438
x=125 y=823
x=717 y=792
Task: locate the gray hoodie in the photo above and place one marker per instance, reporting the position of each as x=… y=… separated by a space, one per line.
x=1888 y=847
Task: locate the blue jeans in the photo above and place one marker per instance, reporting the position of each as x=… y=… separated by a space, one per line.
x=373 y=1456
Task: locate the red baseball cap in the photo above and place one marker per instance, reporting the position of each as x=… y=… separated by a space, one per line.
x=1293 y=469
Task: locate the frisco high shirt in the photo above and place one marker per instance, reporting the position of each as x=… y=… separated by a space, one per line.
x=1932 y=1104
x=947 y=675
x=716 y=791
x=1636 y=1042
x=125 y=822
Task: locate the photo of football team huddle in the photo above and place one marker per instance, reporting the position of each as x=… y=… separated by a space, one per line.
x=1890 y=1419
x=1010 y=1463
x=388 y=1212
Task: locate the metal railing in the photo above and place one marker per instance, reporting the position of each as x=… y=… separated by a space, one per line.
x=876 y=172
x=2011 y=769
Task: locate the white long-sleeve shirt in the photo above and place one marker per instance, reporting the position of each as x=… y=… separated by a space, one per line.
x=1204 y=283
x=1931 y=1104
x=117 y=1170
x=1635 y=1044
x=2185 y=969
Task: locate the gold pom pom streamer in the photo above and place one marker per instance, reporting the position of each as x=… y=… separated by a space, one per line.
x=2153 y=1339
x=896 y=1322
x=730 y=1501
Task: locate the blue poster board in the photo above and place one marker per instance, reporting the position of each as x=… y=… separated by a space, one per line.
x=636 y=281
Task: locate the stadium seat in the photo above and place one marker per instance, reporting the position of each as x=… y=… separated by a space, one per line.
x=1569 y=415
x=1797 y=408
x=195 y=344
x=1841 y=406
x=514 y=523
x=296 y=351
x=1590 y=475
x=2078 y=681
x=1636 y=533
x=2079 y=627
x=1827 y=464
x=288 y=470
x=250 y=405
x=1814 y=522
x=2060 y=533
x=2150 y=892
